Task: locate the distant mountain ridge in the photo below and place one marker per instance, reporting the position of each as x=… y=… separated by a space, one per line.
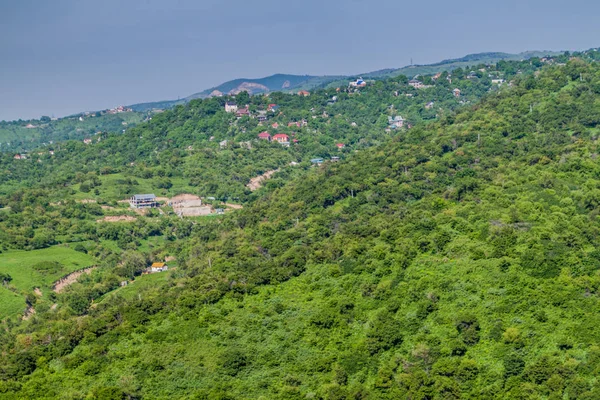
x=286 y=82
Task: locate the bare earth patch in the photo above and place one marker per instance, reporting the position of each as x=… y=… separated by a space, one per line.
x=70 y=279
x=256 y=182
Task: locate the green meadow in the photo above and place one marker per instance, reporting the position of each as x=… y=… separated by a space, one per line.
x=29 y=269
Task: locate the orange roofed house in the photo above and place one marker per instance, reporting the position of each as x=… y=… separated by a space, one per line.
x=303 y=93
x=158 y=267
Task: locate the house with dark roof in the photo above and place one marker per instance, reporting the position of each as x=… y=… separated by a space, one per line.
x=230 y=107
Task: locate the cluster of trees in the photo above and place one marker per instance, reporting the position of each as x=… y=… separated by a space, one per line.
x=457 y=259
x=16 y=136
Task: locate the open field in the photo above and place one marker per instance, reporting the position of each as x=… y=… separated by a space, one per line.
x=28 y=270
x=140 y=284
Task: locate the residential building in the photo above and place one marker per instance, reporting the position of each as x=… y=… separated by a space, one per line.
x=230 y=107
x=340 y=146
x=282 y=138
x=416 y=83
x=303 y=93
x=456 y=92
x=272 y=107
x=264 y=136
x=143 y=201
x=317 y=161
x=158 y=267
x=358 y=83
x=396 y=122
x=242 y=112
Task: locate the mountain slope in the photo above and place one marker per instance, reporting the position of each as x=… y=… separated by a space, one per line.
x=282 y=82
x=458 y=260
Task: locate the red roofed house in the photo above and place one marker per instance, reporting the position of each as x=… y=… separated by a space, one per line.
x=264 y=136
x=272 y=107
x=303 y=93
x=281 y=138
x=275 y=125
x=340 y=146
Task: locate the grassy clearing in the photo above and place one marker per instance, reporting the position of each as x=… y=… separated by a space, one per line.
x=139 y=285
x=21 y=266
x=10 y=303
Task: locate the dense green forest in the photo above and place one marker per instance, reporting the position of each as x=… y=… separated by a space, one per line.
x=456 y=259
x=20 y=136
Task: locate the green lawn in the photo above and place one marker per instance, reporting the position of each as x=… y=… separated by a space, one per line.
x=113 y=188
x=140 y=284
x=19 y=265
x=10 y=303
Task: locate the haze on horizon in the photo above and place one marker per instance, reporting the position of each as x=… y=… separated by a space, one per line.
x=67 y=56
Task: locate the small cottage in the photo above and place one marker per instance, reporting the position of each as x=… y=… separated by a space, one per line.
x=158 y=267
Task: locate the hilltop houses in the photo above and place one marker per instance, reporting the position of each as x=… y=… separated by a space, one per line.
x=396 y=122
x=143 y=201
x=417 y=84
x=282 y=138
x=264 y=136
x=242 y=112
x=303 y=93
x=358 y=83
x=230 y=107
x=158 y=267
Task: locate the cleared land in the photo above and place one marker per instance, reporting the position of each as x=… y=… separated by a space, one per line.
x=24 y=268
x=256 y=182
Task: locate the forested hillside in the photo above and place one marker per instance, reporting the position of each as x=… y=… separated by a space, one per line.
x=217 y=153
x=21 y=136
x=455 y=259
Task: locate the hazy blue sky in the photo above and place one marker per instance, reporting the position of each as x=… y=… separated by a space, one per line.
x=64 y=56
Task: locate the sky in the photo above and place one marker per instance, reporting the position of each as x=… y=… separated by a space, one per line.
x=61 y=57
